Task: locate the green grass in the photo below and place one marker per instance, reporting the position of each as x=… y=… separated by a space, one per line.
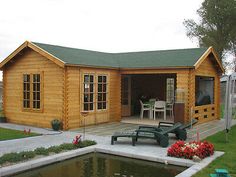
x=222 y=110
x=8 y=134
x=228 y=160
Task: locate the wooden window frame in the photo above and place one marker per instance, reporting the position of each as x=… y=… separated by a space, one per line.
x=89 y=93
x=35 y=92
x=102 y=92
x=31 y=109
x=25 y=91
x=197 y=78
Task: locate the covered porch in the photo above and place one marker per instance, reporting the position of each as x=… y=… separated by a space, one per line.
x=195 y=93
x=141 y=88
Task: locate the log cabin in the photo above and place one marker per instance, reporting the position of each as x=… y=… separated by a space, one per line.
x=42 y=82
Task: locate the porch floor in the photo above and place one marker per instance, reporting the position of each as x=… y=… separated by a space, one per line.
x=145 y=121
x=107 y=129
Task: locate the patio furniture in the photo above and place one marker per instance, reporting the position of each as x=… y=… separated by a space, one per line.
x=145 y=107
x=159 y=106
x=170 y=108
x=158 y=134
x=180 y=132
x=116 y=135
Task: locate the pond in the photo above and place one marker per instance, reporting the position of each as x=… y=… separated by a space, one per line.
x=104 y=165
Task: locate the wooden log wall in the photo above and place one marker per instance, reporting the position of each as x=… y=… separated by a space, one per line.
x=210 y=112
x=74 y=98
x=29 y=62
x=183 y=94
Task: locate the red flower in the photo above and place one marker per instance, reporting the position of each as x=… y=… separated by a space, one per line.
x=188 y=150
x=76 y=140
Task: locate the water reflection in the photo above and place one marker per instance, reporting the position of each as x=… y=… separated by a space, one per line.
x=102 y=165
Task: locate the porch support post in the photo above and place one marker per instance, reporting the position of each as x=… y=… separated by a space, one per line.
x=182 y=91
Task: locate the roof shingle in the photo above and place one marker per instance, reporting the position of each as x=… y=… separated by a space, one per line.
x=147 y=59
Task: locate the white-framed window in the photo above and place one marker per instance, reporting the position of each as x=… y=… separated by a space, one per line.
x=170 y=89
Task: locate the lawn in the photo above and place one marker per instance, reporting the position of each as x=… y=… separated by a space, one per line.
x=228 y=160
x=7 y=134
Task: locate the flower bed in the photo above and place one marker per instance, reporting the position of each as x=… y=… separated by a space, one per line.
x=188 y=150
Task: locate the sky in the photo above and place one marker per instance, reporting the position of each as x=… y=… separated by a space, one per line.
x=100 y=25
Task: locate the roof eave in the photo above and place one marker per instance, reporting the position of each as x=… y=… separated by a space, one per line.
x=36 y=49
x=47 y=54
x=91 y=66
x=164 y=67
x=13 y=54
x=205 y=54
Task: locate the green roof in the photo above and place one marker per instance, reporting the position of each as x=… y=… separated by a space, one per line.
x=147 y=59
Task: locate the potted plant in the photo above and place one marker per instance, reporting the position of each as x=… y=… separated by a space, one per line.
x=56 y=124
x=3 y=119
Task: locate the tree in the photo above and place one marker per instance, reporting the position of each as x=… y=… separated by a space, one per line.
x=217 y=26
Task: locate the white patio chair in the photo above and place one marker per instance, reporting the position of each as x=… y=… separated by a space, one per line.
x=170 y=108
x=159 y=106
x=145 y=107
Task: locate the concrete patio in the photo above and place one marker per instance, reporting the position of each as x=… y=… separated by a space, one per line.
x=100 y=133
x=147 y=150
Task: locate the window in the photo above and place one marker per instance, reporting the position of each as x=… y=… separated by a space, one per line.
x=26 y=91
x=204 y=90
x=170 y=89
x=88 y=97
x=36 y=91
x=102 y=92
x=31 y=91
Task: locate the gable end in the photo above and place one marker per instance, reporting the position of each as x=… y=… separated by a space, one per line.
x=37 y=49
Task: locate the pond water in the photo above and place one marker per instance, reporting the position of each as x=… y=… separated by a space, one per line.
x=104 y=165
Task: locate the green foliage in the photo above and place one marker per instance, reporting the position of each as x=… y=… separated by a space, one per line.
x=56 y=124
x=68 y=146
x=25 y=155
x=55 y=149
x=217 y=26
x=3 y=119
x=228 y=159
x=16 y=157
x=41 y=151
x=7 y=134
x=11 y=157
x=86 y=143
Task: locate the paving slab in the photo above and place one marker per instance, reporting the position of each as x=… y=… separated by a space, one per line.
x=144 y=149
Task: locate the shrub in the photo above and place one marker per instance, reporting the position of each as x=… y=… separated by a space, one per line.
x=68 y=146
x=41 y=151
x=55 y=149
x=10 y=157
x=188 y=150
x=25 y=155
x=56 y=124
x=86 y=143
x=3 y=119
x=16 y=157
